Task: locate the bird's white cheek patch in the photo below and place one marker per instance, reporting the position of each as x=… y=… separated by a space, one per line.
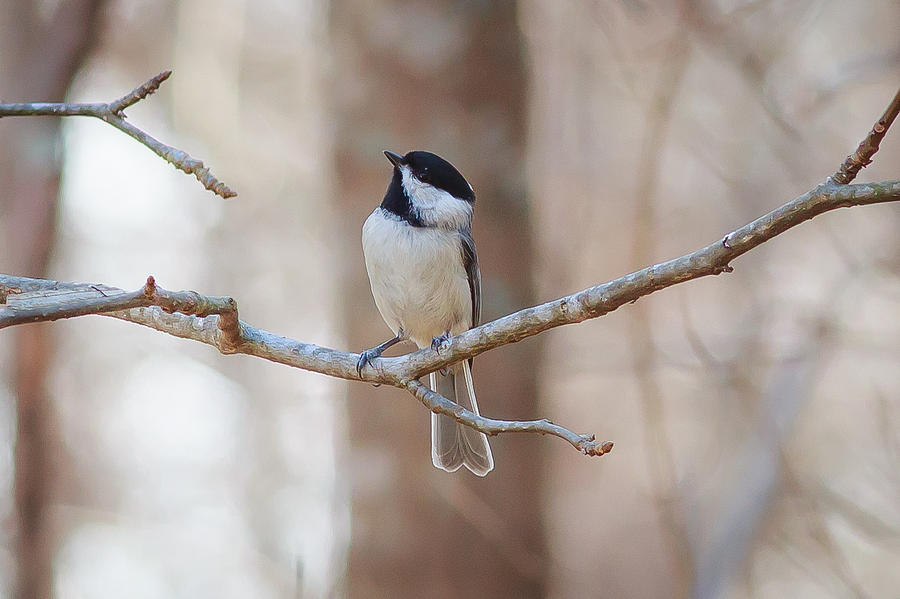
x=436 y=207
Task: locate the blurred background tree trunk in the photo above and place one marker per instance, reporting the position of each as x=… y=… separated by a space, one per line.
x=40 y=52
x=450 y=79
x=227 y=464
x=701 y=386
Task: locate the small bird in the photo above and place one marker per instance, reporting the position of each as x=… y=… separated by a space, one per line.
x=424 y=274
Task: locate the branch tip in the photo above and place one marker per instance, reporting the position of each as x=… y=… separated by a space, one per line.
x=137 y=94
x=593 y=448
x=867 y=148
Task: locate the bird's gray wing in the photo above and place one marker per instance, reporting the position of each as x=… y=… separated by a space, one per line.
x=470 y=262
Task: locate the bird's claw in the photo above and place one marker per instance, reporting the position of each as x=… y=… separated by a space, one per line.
x=366 y=356
x=441 y=342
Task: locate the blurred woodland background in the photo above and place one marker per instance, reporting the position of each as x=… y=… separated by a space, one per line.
x=756 y=415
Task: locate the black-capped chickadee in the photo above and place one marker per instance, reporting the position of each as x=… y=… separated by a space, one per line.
x=424 y=274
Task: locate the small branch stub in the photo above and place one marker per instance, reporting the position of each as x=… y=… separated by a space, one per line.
x=593 y=448
x=138 y=94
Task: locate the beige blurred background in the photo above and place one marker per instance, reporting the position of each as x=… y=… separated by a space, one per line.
x=756 y=415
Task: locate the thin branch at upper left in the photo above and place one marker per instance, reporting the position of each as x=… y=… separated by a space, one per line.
x=113 y=113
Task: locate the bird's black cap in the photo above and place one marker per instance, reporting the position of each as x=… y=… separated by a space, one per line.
x=434 y=170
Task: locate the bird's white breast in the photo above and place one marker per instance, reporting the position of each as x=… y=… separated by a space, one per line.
x=417 y=277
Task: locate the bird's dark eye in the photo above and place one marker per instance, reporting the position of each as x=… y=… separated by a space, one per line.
x=423 y=175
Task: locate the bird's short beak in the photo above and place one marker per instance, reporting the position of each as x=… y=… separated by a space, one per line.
x=395 y=159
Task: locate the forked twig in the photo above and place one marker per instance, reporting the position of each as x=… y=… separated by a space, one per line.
x=113 y=114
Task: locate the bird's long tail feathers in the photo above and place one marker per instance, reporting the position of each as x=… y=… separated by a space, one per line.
x=453 y=444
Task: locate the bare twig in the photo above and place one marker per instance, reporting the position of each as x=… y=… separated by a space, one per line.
x=113 y=114
x=138 y=93
x=862 y=157
x=586 y=444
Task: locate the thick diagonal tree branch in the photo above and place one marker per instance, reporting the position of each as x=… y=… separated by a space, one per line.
x=113 y=113
x=214 y=320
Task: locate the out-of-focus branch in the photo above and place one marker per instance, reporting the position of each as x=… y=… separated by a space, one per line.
x=113 y=113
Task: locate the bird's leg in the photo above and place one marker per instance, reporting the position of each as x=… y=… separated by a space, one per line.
x=439 y=344
x=367 y=355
